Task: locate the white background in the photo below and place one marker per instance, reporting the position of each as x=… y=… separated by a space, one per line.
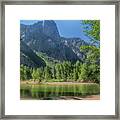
x=15 y=106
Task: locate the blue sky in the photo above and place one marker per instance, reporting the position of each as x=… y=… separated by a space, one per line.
x=67 y=28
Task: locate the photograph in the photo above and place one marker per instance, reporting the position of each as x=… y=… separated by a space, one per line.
x=60 y=59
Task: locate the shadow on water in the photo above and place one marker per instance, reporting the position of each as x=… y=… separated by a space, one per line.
x=56 y=92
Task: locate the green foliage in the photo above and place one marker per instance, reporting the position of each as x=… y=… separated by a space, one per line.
x=58 y=71
x=25 y=73
x=75 y=75
x=37 y=74
x=94 y=30
x=22 y=74
x=48 y=73
x=34 y=75
x=92 y=54
x=94 y=73
x=54 y=72
x=90 y=69
x=84 y=72
x=90 y=73
x=62 y=72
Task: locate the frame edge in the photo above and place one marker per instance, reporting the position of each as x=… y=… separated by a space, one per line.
x=2 y=64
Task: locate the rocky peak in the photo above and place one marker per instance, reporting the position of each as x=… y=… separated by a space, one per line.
x=37 y=26
x=50 y=29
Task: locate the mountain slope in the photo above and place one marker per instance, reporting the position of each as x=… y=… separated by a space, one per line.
x=74 y=44
x=28 y=57
x=45 y=38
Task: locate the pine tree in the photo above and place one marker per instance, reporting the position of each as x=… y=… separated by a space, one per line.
x=84 y=72
x=34 y=76
x=22 y=76
x=48 y=73
x=58 y=71
x=62 y=71
x=28 y=73
x=54 y=72
x=75 y=75
x=39 y=74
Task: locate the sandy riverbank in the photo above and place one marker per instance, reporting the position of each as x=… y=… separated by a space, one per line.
x=54 y=83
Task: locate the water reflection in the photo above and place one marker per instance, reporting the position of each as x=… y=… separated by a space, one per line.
x=53 y=92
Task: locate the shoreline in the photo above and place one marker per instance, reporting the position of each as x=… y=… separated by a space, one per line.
x=88 y=97
x=54 y=83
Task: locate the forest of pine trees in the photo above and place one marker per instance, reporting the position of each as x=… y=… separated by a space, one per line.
x=65 y=72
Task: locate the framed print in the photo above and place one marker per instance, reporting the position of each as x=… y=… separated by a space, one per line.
x=60 y=60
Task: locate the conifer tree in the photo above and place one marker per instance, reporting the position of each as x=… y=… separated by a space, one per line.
x=58 y=71
x=48 y=73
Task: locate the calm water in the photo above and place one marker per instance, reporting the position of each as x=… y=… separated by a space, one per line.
x=54 y=92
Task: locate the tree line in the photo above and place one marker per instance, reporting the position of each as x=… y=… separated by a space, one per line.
x=65 y=71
